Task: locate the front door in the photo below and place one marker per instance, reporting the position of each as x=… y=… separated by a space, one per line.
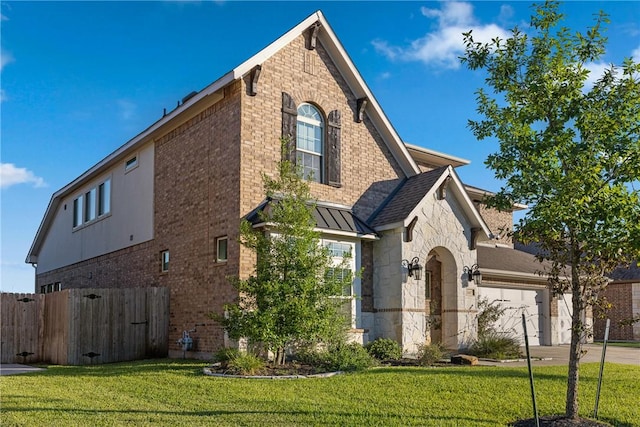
x=433 y=300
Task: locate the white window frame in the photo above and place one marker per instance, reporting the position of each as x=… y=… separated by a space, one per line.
x=78 y=211
x=301 y=152
x=339 y=249
x=92 y=205
x=219 y=240
x=164 y=261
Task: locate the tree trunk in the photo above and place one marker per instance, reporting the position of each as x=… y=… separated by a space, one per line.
x=574 y=368
x=280 y=356
x=575 y=351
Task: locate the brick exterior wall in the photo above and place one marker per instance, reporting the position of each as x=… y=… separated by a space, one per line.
x=500 y=223
x=621 y=296
x=196 y=201
x=130 y=267
x=208 y=176
x=369 y=172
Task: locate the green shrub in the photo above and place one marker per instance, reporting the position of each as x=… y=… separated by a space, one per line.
x=343 y=357
x=245 y=364
x=384 y=349
x=496 y=345
x=429 y=354
x=488 y=314
x=226 y=354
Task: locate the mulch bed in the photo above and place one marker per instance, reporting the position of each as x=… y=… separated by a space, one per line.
x=270 y=370
x=559 y=421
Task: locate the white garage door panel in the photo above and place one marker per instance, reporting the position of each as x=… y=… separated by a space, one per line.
x=517 y=302
x=564 y=318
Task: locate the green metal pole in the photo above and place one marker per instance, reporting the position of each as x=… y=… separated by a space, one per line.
x=604 y=352
x=533 y=390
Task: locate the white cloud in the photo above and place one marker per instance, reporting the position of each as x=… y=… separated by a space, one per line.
x=451 y=14
x=443 y=46
x=11 y=175
x=5 y=58
x=596 y=70
x=636 y=54
x=127 y=109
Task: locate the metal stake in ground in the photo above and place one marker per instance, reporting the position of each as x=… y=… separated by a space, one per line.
x=604 y=352
x=533 y=390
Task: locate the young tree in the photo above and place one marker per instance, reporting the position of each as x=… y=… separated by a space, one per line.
x=569 y=150
x=291 y=298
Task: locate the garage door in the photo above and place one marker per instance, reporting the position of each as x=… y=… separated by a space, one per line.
x=565 y=304
x=517 y=302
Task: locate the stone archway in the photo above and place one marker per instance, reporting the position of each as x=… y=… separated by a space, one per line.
x=433 y=299
x=441 y=298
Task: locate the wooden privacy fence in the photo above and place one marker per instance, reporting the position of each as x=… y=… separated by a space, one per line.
x=84 y=326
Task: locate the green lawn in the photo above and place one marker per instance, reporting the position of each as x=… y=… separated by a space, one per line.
x=175 y=392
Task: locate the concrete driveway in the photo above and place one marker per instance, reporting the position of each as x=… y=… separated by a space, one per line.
x=559 y=355
x=15 y=368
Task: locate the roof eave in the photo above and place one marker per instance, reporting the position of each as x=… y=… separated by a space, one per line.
x=435 y=157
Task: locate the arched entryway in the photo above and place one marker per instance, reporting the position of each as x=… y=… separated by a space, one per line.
x=441 y=323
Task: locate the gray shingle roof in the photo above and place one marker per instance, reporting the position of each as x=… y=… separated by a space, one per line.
x=406 y=197
x=508 y=259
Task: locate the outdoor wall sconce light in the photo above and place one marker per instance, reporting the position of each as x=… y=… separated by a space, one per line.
x=473 y=273
x=415 y=269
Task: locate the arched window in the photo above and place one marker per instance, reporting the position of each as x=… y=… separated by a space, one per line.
x=310 y=142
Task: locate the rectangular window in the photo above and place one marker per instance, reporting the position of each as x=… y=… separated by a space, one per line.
x=164 y=261
x=131 y=163
x=104 y=198
x=427 y=285
x=221 y=249
x=341 y=274
x=77 y=211
x=338 y=249
x=43 y=289
x=90 y=205
x=57 y=287
x=50 y=288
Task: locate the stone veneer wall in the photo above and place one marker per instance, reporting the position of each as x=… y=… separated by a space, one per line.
x=399 y=300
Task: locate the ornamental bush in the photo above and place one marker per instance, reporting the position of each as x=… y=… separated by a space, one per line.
x=384 y=349
x=495 y=345
x=429 y=354
x=342 y=357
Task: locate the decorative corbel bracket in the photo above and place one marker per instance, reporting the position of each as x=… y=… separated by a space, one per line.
x=361 y=105
x=253 y=83
x=475 y=232
x=313 y=36
x=442 y=190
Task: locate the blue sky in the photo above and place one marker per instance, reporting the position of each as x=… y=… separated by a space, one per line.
x=79 y=79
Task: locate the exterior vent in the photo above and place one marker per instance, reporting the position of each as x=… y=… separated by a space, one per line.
x=189 y=96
